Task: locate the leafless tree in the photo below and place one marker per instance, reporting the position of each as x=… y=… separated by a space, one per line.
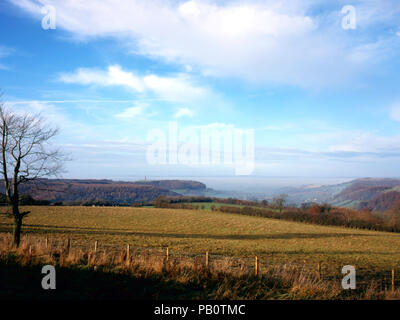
x=26 y=155
x=280 y=201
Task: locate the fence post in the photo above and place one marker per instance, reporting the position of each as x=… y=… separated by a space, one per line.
x=256 y=267
x=207 y=259
x=319 y=271
x=95 y=246
x=167 y=257
x=30 y=251
x=392 y=280
x=68 y=244
x=47 y=241
x=128 y=254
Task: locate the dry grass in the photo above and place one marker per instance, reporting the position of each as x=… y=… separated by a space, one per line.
x=232 y=241
x=184 y=277
x=274 y=241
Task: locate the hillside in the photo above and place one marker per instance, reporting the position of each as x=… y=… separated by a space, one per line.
x=74 y=190
x=385 y=200
x=371 y=193
x=308 y=194
x=376 y=194
x=181 y=186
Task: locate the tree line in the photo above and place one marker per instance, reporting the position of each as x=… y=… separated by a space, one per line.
x=321 y=214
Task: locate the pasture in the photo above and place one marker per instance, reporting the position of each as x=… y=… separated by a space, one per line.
x=195 y=232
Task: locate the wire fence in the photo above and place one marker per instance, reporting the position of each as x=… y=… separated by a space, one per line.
x=385 y=280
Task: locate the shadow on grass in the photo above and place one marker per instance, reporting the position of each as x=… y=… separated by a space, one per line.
x=24 y=283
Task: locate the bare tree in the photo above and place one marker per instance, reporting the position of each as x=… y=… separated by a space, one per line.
x=26 y=155
x=280 y=201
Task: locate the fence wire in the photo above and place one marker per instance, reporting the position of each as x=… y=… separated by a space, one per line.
x=385 y=280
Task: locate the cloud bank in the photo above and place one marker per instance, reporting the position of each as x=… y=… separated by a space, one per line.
x=267 y=42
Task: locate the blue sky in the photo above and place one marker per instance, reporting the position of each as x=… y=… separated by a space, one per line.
x=322 y=100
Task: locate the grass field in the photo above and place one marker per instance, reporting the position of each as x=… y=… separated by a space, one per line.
x=208 y=205
x=194 y=232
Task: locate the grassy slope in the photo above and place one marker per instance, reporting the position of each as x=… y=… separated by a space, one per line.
x=228 y=234
x=207 y=205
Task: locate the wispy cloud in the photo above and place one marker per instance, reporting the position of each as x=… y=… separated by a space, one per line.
x=138 y=111
x=353 y=141
x=178 y=88
x=114 y=76
x=55 y=116
x=184 y=112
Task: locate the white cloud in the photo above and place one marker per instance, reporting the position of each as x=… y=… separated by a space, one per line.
x=184 y=112
x=114 y=76
x=54 y=116
x=241 y=20
x=130 y=113
x=268 y=42
x=178 y=88
x=174 y=89
x=135 y=112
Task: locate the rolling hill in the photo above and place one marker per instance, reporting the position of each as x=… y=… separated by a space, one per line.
x=376 y=194
x=71 y=191
x=185 y=187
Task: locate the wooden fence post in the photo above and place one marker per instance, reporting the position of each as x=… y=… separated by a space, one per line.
x=256 y=267
x=207 y=259
x=319 y=271
x=128 y=251
x=392 y=280
x=95 y=246
x=47 y=241
x=167 y=257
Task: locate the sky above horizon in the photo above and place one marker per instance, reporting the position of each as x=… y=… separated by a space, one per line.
x=323 y=100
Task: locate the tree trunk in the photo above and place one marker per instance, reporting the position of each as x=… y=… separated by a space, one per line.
x=17 y=227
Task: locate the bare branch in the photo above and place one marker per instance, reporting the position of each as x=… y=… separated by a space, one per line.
x=26 y=153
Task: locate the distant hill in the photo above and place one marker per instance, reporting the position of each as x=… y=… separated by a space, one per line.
x=371 y=193
x=188 y=185
x=377 y=194
x=312 y=193
x=75 y=190
x=383 y=201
